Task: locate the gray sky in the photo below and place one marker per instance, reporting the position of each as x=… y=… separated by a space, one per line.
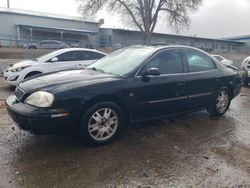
x=215 y=18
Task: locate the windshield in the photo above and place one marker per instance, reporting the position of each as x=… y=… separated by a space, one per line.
x=123 y=61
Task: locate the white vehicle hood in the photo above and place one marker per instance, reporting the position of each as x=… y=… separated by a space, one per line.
x=24 y=63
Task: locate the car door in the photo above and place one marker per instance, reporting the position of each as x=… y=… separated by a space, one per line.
x=54 y=44
x=203 y=78
x=44 y=44
x=164 y=94
x=65 y=61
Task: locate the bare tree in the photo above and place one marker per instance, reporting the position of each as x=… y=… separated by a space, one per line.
x=145 y=13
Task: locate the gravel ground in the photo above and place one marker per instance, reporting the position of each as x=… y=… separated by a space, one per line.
x=193 y=150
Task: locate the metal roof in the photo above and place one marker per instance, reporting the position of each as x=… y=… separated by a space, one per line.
x=66 y=30
x=238 y=38
x=42 y=14
x=180 y=36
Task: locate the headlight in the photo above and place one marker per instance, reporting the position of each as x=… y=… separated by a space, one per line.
x=19 y=69
x=40 y=99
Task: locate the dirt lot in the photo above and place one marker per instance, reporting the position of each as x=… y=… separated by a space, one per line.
x=192 y=150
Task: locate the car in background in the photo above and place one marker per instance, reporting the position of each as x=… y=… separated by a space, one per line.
x=246 y=68
x=46 y=44
x=223 y=60
x=64 y=59
x=129 y=85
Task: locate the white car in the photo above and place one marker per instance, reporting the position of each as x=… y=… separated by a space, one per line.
x=64 y=59
x=223 y=60
x=246 y=67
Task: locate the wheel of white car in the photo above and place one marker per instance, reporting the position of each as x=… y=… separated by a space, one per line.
x=101 y=123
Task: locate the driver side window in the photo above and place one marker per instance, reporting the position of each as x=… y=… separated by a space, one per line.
x=168 y=62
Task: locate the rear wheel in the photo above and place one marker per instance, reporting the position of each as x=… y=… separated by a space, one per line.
x=32 y=47
x=101 y=123
x=221 y=103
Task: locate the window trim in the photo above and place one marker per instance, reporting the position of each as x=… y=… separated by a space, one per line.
x=155 y=54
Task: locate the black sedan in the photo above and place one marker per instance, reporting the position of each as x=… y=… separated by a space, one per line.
x=130 y=85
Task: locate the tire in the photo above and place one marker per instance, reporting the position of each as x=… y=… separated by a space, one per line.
x=98 y=130
x=31 y=74
x=32 y=47
x=220 y=103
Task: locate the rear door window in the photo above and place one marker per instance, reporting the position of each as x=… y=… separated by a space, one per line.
x=198 y=61
x=70 y=56
x=87 y=55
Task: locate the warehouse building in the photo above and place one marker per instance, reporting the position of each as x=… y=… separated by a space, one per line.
x=242 y=38
x=121 y=38
x=19 y=26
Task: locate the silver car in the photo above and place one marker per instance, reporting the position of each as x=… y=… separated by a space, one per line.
x=46 y=44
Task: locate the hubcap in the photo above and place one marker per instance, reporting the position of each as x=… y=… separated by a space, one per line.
x=103 y=124
x=222 y=101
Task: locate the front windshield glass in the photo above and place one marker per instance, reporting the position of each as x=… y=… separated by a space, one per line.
x=123 y=61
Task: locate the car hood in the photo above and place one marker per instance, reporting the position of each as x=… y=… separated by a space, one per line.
x=65 y=80
x=23 y=63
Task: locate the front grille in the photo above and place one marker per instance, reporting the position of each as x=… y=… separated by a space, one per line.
x=19 y=93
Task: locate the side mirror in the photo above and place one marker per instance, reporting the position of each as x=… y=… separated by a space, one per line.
x=152 y=72
x=54 y=59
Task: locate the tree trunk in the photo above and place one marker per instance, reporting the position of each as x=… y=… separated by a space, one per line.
x=147 y=38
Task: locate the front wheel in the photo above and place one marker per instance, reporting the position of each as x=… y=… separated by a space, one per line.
x=101 y=123
x=221 y=103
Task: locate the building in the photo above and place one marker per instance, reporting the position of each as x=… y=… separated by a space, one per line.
x=242 y=38
x=120 y=38
x=19 y=26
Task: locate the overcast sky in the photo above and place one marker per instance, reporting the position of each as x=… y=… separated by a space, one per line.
x=215 y=18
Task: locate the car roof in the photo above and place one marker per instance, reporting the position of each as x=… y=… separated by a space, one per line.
x=162 y=47
x=80 y=49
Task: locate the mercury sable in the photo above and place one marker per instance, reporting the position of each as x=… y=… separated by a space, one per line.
x=132 y=84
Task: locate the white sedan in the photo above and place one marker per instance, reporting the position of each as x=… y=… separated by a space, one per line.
x=223 y=60
x=64 y=59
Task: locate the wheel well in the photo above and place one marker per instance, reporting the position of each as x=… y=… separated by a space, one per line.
x=32 y=47
x=107 y=98
x=33 y=73
x=231 y=90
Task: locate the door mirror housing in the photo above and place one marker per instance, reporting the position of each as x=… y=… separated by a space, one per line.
x=152 y=72
x=54 y=59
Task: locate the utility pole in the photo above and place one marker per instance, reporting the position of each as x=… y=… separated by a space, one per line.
x=8 y=3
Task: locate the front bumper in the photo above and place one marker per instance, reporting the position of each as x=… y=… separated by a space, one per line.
x=10 y=78
x=40 y=120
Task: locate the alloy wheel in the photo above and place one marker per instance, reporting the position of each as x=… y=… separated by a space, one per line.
x=222 y=101
x=103 y=124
